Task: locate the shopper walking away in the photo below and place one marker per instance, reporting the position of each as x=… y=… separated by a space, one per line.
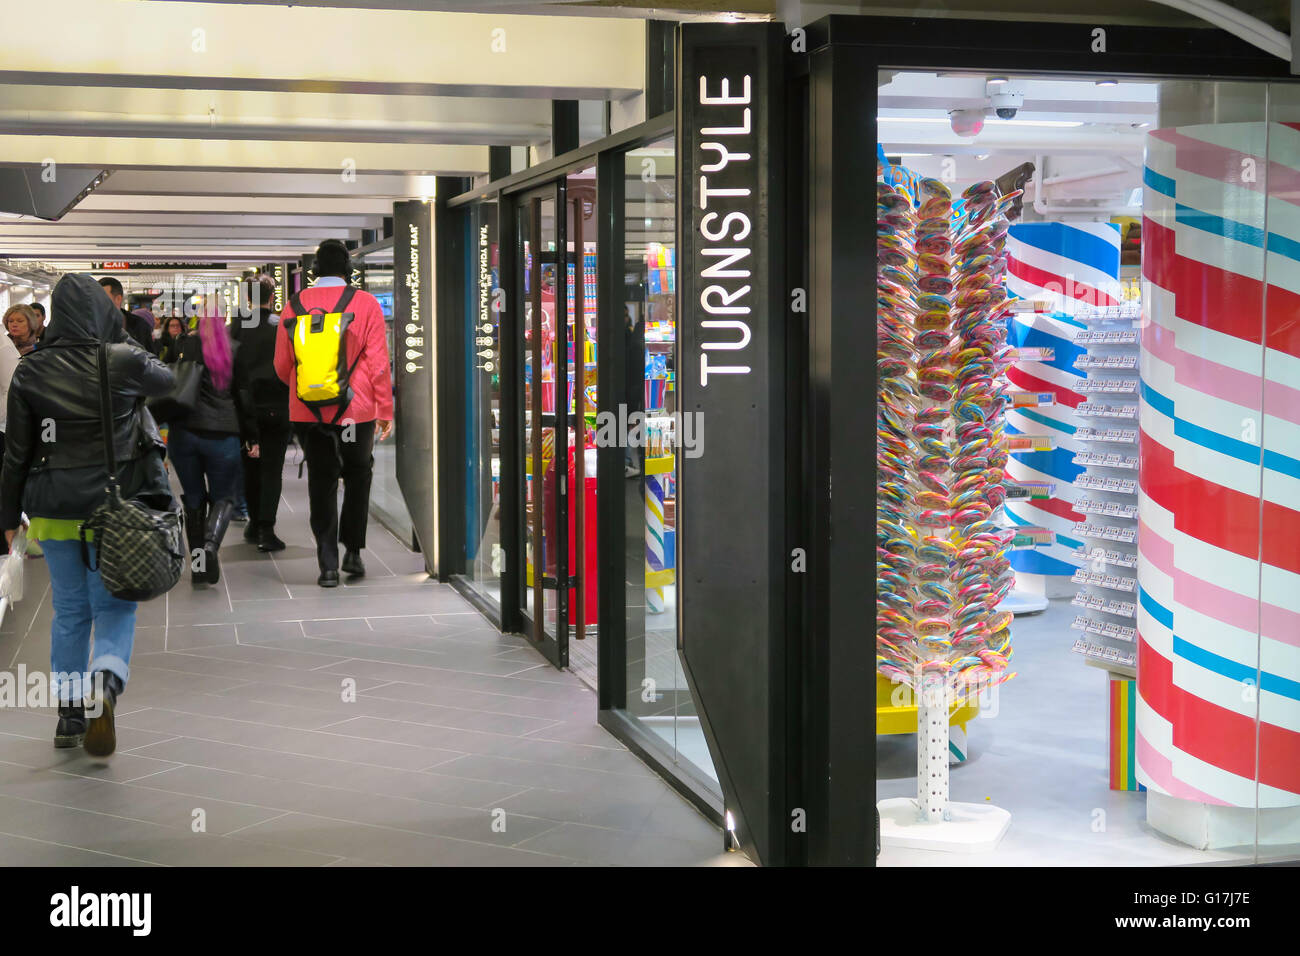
x=136 y=327
x=23 y=327
x=332 y=350
x=267 y=429
x=169 y=344
x=204 y=448
x=8 y=364
x=54 y=471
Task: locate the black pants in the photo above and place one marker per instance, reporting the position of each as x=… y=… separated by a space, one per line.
x=333 y=452
x=263 y=475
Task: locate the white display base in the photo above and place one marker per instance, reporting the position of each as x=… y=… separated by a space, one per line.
x=1206 y=826
x=1021 y=602
x=974 y=827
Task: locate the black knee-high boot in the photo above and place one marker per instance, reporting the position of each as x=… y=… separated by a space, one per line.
x=195 y=537
x=218 y=522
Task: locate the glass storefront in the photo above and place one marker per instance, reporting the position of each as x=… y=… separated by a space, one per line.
x=537 y=425
x=1140 y=460
x=656 y=690
x=375 y=275
x=485 y=554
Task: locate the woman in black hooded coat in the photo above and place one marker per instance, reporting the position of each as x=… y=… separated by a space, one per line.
x=55 y=471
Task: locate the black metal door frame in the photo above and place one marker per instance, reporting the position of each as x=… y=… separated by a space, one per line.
x=532 y=614
x=845 y=56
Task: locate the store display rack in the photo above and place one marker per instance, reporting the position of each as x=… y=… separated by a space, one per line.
x=1107 y=580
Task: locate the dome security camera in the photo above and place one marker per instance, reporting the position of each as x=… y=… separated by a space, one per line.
x=1006 y=104
x=966 y=122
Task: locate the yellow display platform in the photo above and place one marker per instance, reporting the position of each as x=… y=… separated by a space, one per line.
x=892 y=719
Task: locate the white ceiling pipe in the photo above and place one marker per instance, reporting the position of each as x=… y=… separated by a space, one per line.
x=1044 y=209
x=1238 y=23
x=1083 y=177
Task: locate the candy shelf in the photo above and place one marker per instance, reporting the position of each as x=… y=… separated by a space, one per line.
x=1030 y=490
x=1102 y=410
x=1100 y=556
x=1106 y=532
x=1113 y=658
x=1031 y=442
x=1110 y=364
x=1125 y=436
x=1112 y=509
x=1106 y=460
x=1120 y=632
x=1115 y=582
x=1121 y=486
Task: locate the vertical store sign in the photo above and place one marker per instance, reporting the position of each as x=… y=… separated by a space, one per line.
x=485 y=341
x=732 y=332
x=414 y=370
x=280 y=273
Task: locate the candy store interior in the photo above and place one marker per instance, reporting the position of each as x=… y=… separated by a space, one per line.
x=1088 y=454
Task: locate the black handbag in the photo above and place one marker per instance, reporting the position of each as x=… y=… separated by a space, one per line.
x=177 y=404
x=140 y=549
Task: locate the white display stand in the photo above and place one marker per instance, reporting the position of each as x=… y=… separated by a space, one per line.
x=971 y=827
x=930 y=821
x=1023 y=602
x=1205 y=826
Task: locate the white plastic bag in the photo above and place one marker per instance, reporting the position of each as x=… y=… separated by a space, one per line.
x=11 y=569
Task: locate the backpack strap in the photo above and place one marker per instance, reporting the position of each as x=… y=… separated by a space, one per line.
x=345 y=299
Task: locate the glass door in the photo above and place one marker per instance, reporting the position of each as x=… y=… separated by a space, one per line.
x=542 y=286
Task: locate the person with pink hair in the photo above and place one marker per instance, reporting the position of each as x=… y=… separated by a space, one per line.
x=204 y=446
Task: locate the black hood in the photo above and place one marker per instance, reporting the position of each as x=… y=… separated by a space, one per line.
x=81 y=309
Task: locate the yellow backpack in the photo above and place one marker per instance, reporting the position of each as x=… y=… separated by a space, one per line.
x=320 y=352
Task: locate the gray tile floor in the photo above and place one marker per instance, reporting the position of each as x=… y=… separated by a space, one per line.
x=269 y=722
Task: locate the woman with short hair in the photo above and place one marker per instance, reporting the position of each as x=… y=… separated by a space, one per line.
x=23 y=326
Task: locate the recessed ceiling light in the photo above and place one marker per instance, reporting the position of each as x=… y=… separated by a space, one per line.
x=997 y=80
x=1106 y=83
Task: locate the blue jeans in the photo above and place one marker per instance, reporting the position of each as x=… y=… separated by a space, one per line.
x=195 y=457
x=80 y=601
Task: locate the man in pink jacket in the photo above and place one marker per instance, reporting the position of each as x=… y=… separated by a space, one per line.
x=344 y=449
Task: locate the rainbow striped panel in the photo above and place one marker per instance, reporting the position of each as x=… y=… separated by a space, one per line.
x=1219 y=509
x=1123 y=764
x=1063 y=264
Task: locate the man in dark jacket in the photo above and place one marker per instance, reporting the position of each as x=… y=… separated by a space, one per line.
x=55 y=470
x=266 y=429
x=136 y=326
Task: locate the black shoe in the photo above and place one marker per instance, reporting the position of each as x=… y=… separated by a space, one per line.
x=218 y=522
x=267 y=541
x=72 y=726
x=352 y=564
x=101 y=732
x=252 y=532
x=328 y=579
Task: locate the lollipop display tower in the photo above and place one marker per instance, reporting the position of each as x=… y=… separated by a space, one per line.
x=942 y=449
